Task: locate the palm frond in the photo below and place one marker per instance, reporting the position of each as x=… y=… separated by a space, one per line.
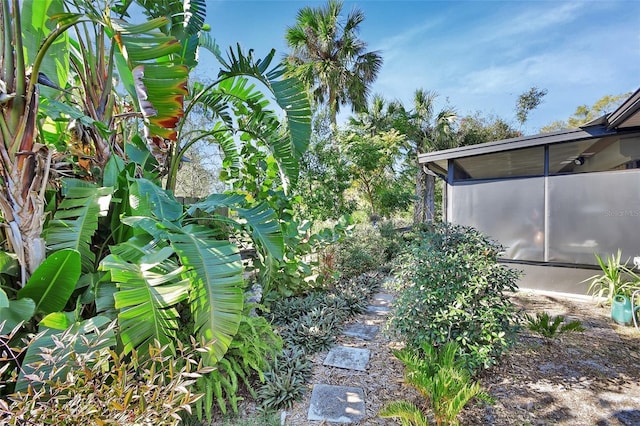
x=408 y=413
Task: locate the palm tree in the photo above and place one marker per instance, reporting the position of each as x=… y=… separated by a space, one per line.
x=427 y=131
x=330 y=59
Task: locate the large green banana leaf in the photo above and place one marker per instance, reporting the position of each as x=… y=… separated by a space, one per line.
x=148 y=199
x=36 y=26
x=215 y=270
x=289 y=93
x=150 y=284
x=160 y=80
x=76 y=219
x=53 y=281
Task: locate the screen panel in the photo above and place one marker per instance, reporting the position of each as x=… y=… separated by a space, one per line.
x=509 y=211
x=594 y=213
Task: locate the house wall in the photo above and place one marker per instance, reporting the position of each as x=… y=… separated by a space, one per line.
x=554 y=225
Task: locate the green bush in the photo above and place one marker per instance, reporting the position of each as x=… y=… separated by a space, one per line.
x=362 y=251
x=99 y=386
x=451 y=288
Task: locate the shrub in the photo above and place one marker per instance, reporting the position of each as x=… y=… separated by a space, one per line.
x=451 y=288
x=362 y=251
x=99 y=386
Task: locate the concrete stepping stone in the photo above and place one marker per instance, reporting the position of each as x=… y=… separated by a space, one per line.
x=361 y=331
x=336 y=404
x=377 y=310
x=349 y=358
x=383 y=299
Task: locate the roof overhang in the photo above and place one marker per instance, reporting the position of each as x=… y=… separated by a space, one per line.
x=625 y=118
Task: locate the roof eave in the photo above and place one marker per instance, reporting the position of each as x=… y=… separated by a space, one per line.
x=516 y=143
x=625 y=112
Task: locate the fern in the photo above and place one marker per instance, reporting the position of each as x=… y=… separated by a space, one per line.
x=248 y=355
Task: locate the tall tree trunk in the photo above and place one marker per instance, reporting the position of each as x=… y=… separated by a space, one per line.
x=424 y=206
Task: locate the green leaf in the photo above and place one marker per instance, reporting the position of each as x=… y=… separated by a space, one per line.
x=113 y=168
x=58 y=320
x=149 y=286
x=76 y=220
x=9 y=264
x=139 y=153
x=4 y=300
x=17 y=311
x=52 y=283
x=36 y=25
x=151 y=200
x=261 y=219
x=216 y=297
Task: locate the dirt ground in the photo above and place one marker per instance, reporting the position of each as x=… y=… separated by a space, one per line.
x=587 y=378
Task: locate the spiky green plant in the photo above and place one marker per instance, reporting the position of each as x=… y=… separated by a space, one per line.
x=616 y=278
x=440 y=375
x=285 y=380
x=551 y=327
x=408 y=413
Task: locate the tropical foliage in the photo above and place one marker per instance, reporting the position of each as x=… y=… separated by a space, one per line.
x=440 y=375
x=91 y=234
x=615 y=278
x=587 y=113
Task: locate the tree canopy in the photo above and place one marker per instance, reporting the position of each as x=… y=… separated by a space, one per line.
x=327 y=55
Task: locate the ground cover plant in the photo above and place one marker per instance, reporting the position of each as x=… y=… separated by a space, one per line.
x=551 y=327
x=79 y=380
x=309 y=324
x=442 y=378
x=451 y=288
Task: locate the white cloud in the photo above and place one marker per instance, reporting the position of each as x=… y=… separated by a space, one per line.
x=572 y=49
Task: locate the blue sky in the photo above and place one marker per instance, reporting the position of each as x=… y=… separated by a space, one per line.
x=477 y=55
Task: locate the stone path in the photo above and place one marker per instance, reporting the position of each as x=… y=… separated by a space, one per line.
x=345 y=404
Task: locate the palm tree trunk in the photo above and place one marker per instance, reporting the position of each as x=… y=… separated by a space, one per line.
x=424 y=206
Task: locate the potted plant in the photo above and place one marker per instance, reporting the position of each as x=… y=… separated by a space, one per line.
x=614 y=287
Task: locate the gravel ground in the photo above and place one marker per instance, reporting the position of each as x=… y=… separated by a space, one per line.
x=588 y=378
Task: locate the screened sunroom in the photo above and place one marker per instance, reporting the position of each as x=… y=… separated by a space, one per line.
x=553 y=200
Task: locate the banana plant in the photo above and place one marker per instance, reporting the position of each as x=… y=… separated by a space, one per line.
x=24 y=162
x=234 y=94
x=173 y=259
